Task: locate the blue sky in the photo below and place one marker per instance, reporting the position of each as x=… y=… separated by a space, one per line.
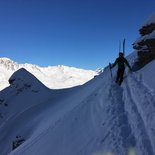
x=78 y=33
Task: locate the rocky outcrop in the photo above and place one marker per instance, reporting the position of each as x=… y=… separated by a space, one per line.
x=145 y=45
x=147 y=29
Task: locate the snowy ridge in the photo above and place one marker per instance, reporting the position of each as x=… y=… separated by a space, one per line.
x=18 y=82
x=150 y=20
x=144 y=38
x=54 y=77
x=96 y=118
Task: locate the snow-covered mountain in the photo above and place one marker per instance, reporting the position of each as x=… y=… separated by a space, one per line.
x=96 y=118
x=54 y=77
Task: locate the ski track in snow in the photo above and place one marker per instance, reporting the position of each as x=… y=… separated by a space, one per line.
x=137 y=112
x=124 y=139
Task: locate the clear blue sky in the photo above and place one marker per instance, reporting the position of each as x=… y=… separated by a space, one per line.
x=78 y=33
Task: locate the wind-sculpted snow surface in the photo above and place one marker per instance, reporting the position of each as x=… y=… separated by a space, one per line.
x=140 y=88
x=94 y=119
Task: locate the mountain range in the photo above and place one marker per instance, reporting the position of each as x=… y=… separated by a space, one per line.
x=54 y=77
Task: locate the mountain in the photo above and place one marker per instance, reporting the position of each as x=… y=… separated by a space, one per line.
x=54 y=77
x=97 y=118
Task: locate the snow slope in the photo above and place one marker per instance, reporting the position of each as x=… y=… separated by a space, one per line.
x=96 y=118
x=150 y=20
x=54 y=77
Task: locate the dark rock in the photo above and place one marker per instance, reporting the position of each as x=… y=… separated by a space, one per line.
x=145 y=46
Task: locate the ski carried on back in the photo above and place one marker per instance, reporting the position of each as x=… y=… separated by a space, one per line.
x=124 y=47
x=110 y=70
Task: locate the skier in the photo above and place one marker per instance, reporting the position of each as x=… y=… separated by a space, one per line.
x=121 y=62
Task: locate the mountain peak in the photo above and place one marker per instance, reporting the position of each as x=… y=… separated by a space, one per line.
x=24 y=79
x=8 y=64
x=5 y=58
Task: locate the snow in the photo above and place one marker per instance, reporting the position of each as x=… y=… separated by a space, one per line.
x=150 y=20
x=144 y=38
x=17 y=80
x=142 y=95
x=143 y=76
x=97 y=118
x=54 y=77
x=149 y=36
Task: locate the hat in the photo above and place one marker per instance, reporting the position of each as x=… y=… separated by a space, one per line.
x=121 y=53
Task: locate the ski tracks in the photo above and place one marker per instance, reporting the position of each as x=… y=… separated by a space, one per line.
x=127 y=117
x=121 y=123
x=110 y=120
x=138 y=104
